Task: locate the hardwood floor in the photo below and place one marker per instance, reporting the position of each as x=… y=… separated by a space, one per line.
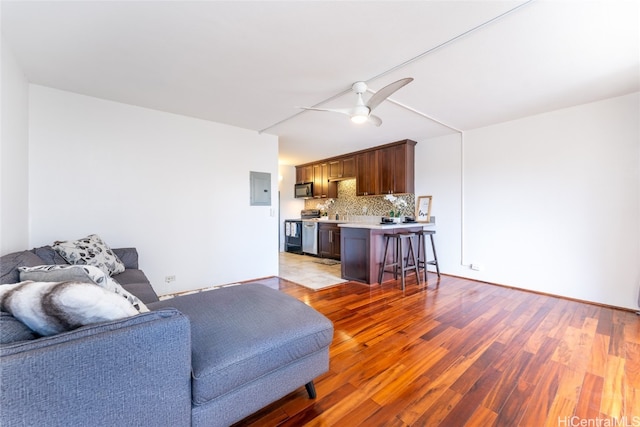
x=465 y=353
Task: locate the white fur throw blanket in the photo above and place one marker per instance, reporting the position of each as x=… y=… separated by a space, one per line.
x=49 y=308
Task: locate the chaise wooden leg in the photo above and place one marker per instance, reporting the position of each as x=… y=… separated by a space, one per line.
x=311 y=389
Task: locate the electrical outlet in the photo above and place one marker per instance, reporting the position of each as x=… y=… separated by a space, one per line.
x=170 y=279
x=477 y=266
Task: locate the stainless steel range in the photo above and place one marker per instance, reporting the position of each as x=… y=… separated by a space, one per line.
x=310 y=230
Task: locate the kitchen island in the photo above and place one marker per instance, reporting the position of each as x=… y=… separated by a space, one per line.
x=362 y=247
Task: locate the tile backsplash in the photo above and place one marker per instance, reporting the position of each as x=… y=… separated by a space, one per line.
x=347 y=204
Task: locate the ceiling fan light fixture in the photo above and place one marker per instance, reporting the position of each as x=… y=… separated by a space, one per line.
x=361 y=112
x=359 y=118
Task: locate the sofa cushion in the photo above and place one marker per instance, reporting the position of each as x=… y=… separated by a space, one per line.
x=243 y=332
x=79 y=273
x=49 y=255
x=49 y=308
x=9 y=265
x=128 y=256
x=142 y=290
x=131 y=275
x=13 y=330
x=136 y=282
x=90 y=250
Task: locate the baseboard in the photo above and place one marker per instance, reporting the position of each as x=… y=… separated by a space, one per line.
x=599 y=304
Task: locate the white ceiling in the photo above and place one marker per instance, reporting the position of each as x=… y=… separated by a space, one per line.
x=250 y=64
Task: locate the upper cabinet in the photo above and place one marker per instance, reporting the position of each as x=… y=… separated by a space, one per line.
x=304 y=174
x=321 y=180
x=367 y=173
x=386 y=169
x=342 y=168
x=396 y=170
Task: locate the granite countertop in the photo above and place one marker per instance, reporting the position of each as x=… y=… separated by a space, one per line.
x=330 y=221
x=369 y=224
x=385 y=226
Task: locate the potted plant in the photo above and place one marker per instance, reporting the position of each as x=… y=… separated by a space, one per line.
x=398 y=204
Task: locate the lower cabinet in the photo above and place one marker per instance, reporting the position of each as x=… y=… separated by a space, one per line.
x=362 y=252
x=355 y=262
x=329 y=240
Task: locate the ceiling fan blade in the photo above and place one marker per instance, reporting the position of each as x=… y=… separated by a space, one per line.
x=386 y=92
x=374 y=120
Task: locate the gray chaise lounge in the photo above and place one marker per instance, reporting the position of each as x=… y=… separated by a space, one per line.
x=205 y=359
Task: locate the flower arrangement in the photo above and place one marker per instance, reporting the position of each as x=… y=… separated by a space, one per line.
x=398 y=205
x=324 y=207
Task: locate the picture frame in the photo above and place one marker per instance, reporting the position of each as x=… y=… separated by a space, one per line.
x=423 y=209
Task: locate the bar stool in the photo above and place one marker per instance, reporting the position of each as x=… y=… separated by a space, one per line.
x=422 y=251
x=399 y=263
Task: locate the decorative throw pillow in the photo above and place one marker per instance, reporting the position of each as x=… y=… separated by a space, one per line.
x=79 y=273
x=49 y=308
x=90 y=251
x=9 y=265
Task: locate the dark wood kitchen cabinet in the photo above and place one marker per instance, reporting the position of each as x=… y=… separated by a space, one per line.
x=388 y=169
x=385 y=169
x=349 y=167
x=317 y=180
x=304 y=174
x=342 y=168
x=367 y=173
x=329 y=240
x=322 y=188
x=396 y=168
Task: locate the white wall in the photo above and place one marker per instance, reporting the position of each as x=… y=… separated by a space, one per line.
x=176 y=188
x=551 y=202
x=14 y=161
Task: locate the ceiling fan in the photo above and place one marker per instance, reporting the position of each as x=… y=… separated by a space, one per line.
x=361 y=112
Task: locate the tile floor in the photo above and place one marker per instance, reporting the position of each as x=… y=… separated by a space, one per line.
x=308 y=271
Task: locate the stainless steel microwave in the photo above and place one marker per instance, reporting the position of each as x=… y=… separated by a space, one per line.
x=304 y=190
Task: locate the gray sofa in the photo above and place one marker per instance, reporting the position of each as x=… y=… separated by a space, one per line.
x=205 y=359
